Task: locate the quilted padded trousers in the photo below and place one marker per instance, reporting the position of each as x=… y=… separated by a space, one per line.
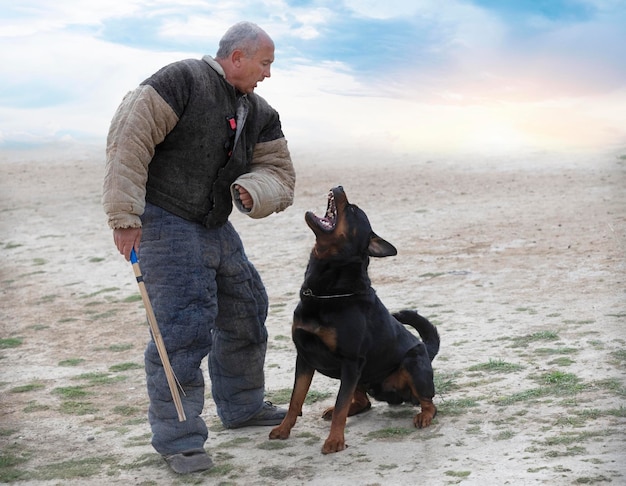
x=208 y=299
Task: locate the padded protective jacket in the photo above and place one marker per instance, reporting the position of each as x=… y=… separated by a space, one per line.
x=183 y=138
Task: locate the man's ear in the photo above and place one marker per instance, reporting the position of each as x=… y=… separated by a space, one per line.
x=236 y=57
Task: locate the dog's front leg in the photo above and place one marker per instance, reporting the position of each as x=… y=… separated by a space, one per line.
x=350 y=372
x=302 y=383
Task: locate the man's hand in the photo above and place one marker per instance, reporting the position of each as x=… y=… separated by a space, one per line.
x=244 y=197
x=126 y=239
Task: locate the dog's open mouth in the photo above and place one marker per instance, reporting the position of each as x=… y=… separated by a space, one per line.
x=329 y=221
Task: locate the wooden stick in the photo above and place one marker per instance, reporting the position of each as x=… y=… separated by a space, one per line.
x=172 y=381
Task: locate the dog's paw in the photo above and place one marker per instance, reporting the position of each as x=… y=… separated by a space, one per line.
x=333 y=445
x=422 y=420
x=425 y=417
x=280 y=433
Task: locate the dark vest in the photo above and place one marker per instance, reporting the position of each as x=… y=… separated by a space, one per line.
x=212 y=144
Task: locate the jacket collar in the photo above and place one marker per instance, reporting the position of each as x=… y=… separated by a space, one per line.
x=215 y=65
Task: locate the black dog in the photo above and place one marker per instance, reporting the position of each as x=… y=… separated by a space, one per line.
x=343 y=330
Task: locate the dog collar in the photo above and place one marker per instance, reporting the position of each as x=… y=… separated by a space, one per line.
x=309 y=293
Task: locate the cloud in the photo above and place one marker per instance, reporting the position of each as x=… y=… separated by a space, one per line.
x=401 y=74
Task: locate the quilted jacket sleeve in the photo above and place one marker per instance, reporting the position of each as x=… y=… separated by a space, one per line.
x=141 y=122
x=271 y=180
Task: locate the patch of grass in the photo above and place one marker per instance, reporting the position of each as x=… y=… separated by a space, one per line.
x=593 y=479
x=220 y=470
x=562 y=361
x=618 y=356
x=574 y=438
x=96 y=259
x=39 y=261
x=47 y=298
x=569 y=451
x=10 y=245
x=399 y=412
x=504 y=435
x=456 y=407
x=524 y=341
x=284 y=396
x=458 y=474
x=139 y=440
x=38 y=327
x=71 y=392
x=613 y=385
x=522 y=396
x=117 y=348
x=618 y=412
x=27 y=388
x=546 y=351
x=560 y=379
x=498 y=366
x=278 y=473
x=11 y=456
x=150 y=459
x=101 y=291
x=10 y=343
x=125 y=367
x=7 y=432
x=236 y=442
x=73 y=407
x=316 y=396
x=132 y=298
x=279 y=396
x=390 y=433
x=526 y=309
x=71 y=362
x=126 y=410
x=106 y=315
x=33 y=406
x=581 y=322
x=431 y=274
x=99 y=378
x=554 y=383
x=444 y=383
x=74 y=468
x=272 y=445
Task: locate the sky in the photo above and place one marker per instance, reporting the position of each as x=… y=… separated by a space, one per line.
x=402 y=76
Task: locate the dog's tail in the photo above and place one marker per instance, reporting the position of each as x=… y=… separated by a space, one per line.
x=427 y=331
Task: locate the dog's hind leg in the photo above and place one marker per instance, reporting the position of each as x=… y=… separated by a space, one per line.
x=302 y=383
x=360 y=403
x=417 y=365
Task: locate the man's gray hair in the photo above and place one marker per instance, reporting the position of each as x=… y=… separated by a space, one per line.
x=243 y=36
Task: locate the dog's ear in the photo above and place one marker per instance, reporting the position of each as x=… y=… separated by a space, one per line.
x=380 y=248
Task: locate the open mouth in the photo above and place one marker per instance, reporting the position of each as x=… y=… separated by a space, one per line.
x=329 y=221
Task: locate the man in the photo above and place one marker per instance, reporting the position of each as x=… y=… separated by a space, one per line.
x=184 y=145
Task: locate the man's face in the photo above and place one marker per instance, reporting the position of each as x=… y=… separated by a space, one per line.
x=252 y=70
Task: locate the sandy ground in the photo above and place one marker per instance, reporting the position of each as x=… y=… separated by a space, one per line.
x=519 y=261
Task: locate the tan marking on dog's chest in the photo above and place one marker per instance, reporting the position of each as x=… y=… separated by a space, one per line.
x=327 y=335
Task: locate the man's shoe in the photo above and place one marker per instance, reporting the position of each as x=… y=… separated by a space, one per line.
x=194 y=460
x=269 y=415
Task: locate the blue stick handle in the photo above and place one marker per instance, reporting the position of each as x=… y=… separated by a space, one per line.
x=133 y=256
